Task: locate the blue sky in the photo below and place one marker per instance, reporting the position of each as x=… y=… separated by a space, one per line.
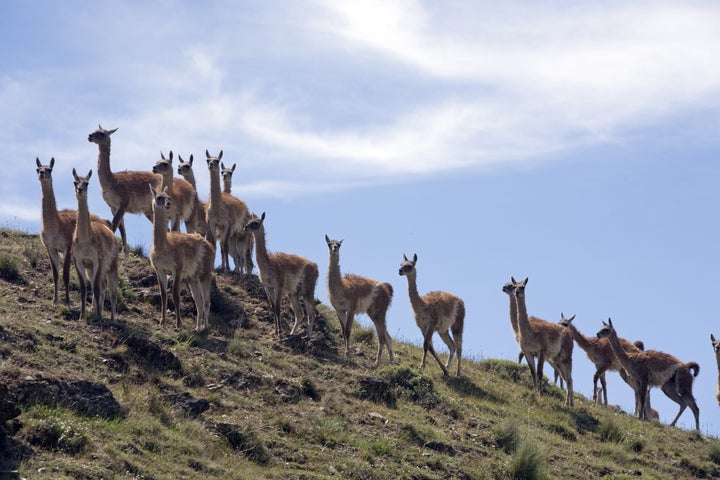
x=575 y=144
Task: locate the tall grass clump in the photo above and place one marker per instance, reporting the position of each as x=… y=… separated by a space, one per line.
x=9 y=267
x=610 y=431
x=528 y=462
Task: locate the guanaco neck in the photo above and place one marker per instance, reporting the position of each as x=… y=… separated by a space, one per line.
x=334 y=275
x=227 y=185
x=167 y=179
x=107 y=179
x=586 y=343
x=522 y=317
x=50 y=220
x=619 y=352
x=261 y=254
x=513 y=313
x=415 y=300
x=83 y=218
x=215 y=192
x=717 y=359
x=189 y=177
x=159 y=228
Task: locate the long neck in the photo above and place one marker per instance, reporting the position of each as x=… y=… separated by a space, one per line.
x=215 y=192
x=619 y=352
x=415 y=299
x=49 y=207
x=167 y=180
x=159 y=228
x=227 y=185
x=261 y=253
x=189 y=177
x=583 y=342
x=83 y=218
x=513 y=313
x=523 y=324
x=104 y=173
x=334 y=275
x=717 y=358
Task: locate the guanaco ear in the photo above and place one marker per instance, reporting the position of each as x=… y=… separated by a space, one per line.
x=37 y=161
x=603 y=322
x=222 y=165
x=262 y=217
x=190 y=159
x=89 y=174
x=170 y=155
x=405 y=258
x=525 y=281
x=712 y=338
x=207 y=154
x=154 y=192
x=110 y=132
x=165 y=189
x=327 y=239
x=233 y=167
x=415 y=258
x=610 y=322
x=75 y=175
x=512 y=279
x=162 y=156
x=220 y=155
x=52 y=162
x=571 y=318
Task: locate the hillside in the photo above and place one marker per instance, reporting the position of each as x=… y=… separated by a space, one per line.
x=86 y=400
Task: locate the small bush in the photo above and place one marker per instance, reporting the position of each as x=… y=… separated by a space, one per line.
x=528 y=462
x=609 y=431
x=9 y=267
x=508 y=438
x=31 y=251
x=715 y=453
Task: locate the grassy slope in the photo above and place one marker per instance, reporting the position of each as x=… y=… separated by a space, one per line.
x=482 y=425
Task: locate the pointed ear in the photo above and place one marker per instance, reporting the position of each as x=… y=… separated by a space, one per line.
x=233 y=167
x=154 y=192
x=610 y=322
x=525 y=281
x=340 y=241
x=512 y=279
x=75 y=175
x=712 y=338
x=571 y=318
x=52 y=162
x=603 y=322
x=262 y=217
x=89 y=174
x=110 y=132
x=415 y=258
x=170 y=155
x=207 y=154
x=165 y=189
x=327 y=239
x=405 y=257
x=191 y=159
x=37 y=162
x=220 y=155
x=162 y=156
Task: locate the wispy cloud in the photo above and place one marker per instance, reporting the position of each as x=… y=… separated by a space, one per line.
x=358 y=92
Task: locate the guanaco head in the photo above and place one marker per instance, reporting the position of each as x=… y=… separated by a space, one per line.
x=715 y=344
x=184 y=168
x=333 y=245
x=101 y=136
x=509 y=288
x=407 y=266
x=565 y=322
x=213 y=162
x=519 y=287
x=161 y=199
x=255 y=223
x=227 y=173
x=164 y=165
x=607 y=329
x=45 y=171
x=81 y=183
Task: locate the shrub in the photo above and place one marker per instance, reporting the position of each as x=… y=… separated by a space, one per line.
x=9 y=267
x=528 y=462
x=609 y=431
x=508 y=438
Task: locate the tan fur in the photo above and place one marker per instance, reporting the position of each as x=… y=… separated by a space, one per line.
x=600 y=353
x=95 y=250
x=716 y=349
x=57 y=230
x=509 y=289
x=184 y=196
x=351 y=294
x=547 y=340
x=241 y=244
x=440 y=312
x=285 y=276
x=226 y=214
x=184 y=257
x=199 y=215
x=126 y=191
x=652 y=368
